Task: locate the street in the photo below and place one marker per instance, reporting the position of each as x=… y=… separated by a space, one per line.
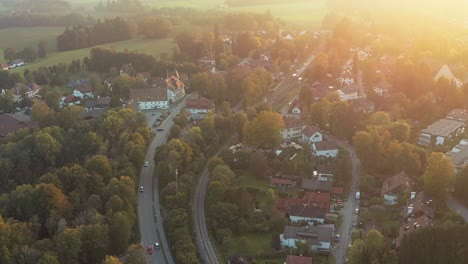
x=149 y=213
x=349 y=217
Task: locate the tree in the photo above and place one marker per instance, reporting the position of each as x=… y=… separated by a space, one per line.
x=49 y=258
x=41 y=49
x=275 y=242
x=461 y=181
x=265 y=130
x=400 y=130
x=28 y=54
x=155 y=27
x=9 y=54
x=136 y=255
x=111 y=260
x=438 y=176
x=119 y=232
x=68 y=246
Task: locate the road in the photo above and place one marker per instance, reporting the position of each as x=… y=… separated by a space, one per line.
x=340 y=249
x=149 y=213
x=458 y=207
x=204 y=246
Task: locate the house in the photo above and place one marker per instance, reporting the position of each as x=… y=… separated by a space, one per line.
x=411 y=226
x=304 y=213
x=35 y=88
x=69 y=100
x=208 y=64
x=325 y=149
x=100 y=103
x=320 y=236
x=10 y=124
x=316 y=185
x=284 y=204
x=16 y=63
x=319 y=90
x=127 y=69
x=4 y=67
x=382 y=88
x=292 y=127
x=110 y=81
x=346 y=78
x=199 y=107
x=80 y=82
x=348 y=92
x=282 y=183
x=290 y=259
x=149 y=98
x=459 y=155
x=394 y=186
x=458 y=115
x=364 y=106
x=418 y=205
x=296 y=110
x=326 y=171
x=83 y=91
x=311 y=134
x=175 y=88
x=318 y=199
x=20 y=90
x=337 y=192
x=444 y=71
x=439 y=131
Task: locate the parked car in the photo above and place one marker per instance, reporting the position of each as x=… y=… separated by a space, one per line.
x=356 y=210
x=149 y=249
x=159 y=129
x=146 y=163
x=140 y=189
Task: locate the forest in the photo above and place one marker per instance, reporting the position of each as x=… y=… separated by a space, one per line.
x=68 y=187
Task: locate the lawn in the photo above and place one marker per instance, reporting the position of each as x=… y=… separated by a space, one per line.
x=253 y=245
x=152 y=47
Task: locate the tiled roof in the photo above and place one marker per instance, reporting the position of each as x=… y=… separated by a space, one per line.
x=200 y=103
x=316 y=185
x=307 y=211
x=84 y=88
x=290 y=259
x=325 y=145
x=314 y=233
x=290 y=122
x=10 y=124
x=280 y=181
x=395 y=182
x=309 y=131
x=148 y=94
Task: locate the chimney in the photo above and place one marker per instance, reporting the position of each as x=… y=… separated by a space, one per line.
x=412 y=195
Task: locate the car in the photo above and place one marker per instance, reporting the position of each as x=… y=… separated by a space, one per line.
x=156 y=245
x=140 y=189
x=149 y=249
x=159 y=129
x=300 y=79
x=294 y=75
x=146 y=163
x=159 y=119
x=337 y=238
x=356 y=210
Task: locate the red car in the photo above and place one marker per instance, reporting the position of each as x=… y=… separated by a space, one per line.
x=149 y=249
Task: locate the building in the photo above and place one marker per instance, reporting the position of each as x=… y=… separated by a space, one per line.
x=175 y=89
x=382 y=88
x=102 y=103
x=394 y=186
x=284 y=204
x=418 y=205
x=438 y=132
x=348 y=92
x=304 y=213
x=319 y=90
x=311 y=134
x=411 y=226
x=316 y=185
x=290 y=259
x=320 y=236
x=459 y=155
x=208 y=64
x=325 y=149
x=10 y=124
x=292 y=127
x=318 y=199
x=282 y=183
x=83 y=91
x=149 y=98
x=199 y=107
x=16 y=63
x=21 y=90
x=460 y=115
x=4 y=67
x=346 y=78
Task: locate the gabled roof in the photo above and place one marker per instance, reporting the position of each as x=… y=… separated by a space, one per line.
x=307 y=211
x=419 y=205
x=444 y=71
x=316 y=185
x=148 y=94
x=350 y=88
x=69 y=98
x=290 y=122
x=84 y=88
x=11 y=123
x=458 y=115
x=174 y=84
x=314 y=233
x=200 y=103
x=34 y=86
x=309 y=131
x=290 y=259
x=325 y=145
x=280 y=181
x=318 y=199
x=397 y=181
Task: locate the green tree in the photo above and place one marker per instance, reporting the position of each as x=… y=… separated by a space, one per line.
x=41 y=49
x=136 y=255
x=438 y=176
x=48 y=258
x=265 y=130
x=461 y=181
x=155 y=27
x=68 y=246
x=9 y=54
x=120 y=230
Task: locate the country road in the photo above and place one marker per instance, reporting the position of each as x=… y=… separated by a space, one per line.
x=149 y=213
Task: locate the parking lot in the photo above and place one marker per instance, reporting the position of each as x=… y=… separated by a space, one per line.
x=153 y=117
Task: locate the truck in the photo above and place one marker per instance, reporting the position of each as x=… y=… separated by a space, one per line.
x=358 y=195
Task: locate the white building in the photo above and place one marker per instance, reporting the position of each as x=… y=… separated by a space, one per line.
x=459 y=155
x=175 y=89
x=382 y=88
x=320 y=236
x=16 y=63
x=83 y=91
x=149 y=98
x=325 y=149
x=348 y=92
x=439 y=131
x=199 y=107
x=292 y=127
x=311 y=134
x=300 y=213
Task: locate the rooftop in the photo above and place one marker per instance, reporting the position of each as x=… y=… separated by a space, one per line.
x=325 y=145
x=349 y=89
x=443 y=127
x=307 y=211
x=280 y=181
x=200 y=103
x=419 y=205
x=148 y=94
x=459 y=154
x=316 y=185
x=395 y=182
x=314 y=233
x=290 y=122
x=310 y=130
x=10 y=123
x=458 y=115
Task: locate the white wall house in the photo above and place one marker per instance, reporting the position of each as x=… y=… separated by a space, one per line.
x=320 y=236
x=311 y=134
x=292 y=128
x=440 y=131
x=382 y=88
x=199 y=106
x=149 y=98
x=325 y=149
x=83 y=91
x=348 y=92
x=175 y=89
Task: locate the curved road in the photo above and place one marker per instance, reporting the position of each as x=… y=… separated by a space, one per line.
x=149 y=213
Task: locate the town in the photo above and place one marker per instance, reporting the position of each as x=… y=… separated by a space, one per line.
x=227 y=135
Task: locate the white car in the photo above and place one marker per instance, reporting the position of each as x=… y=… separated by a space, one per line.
x=356 y=210
x=294 y=75
x=156 y=245
x=140 y=189
x=146 y=163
